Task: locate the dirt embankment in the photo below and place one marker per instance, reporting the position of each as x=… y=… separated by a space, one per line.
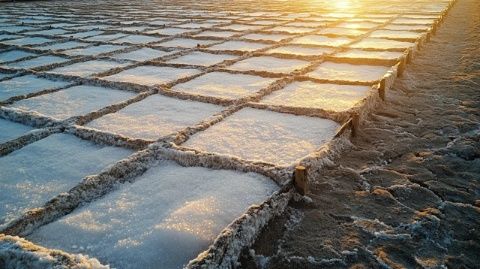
x=408 y=194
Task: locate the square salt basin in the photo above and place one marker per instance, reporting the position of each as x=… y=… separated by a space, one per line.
x=349 y=72
x=154 y=117
x=401 y=27
x=380 y=43
x=260 y=135
x=39 y=171
x=270 y=37
x=136 y=39
x=301 y=51
x=28 y=41
x=105 y=38
x=170 y=31
x=37 y=62
x=63 y=46
x=220 y=34
x=141 y=55
x=14 y=55
x=369 y=54
x=269 y=64
x=162 y=220
x=238 y=46
x=186 y=43
x=319 y=40
x=342 y=31
x=27 y=84
x=9 y=36
x=358 y=25
x=395 y=34
x=152 y=75
x=92 y=51
x=331 y=97
x=74 y=101
x=201 y=58
x=291 y=30
x=85 y=69
x=11 y=130
x=224 y=85
x=84 y=34
x=241 y=27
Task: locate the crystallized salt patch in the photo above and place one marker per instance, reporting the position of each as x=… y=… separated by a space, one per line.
x=154 y=117
x=152 y=75
x=202 y=58
x=269 y=64
x=73 y=101
x=349 y=72
x=85 y=69
x=27 y=84
x=332 y=97
x=259 y=135
x=11 y=130
x=37 y=62
x=162 y=220
x=39 y=171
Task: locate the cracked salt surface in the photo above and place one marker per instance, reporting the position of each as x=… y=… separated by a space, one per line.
x=11 y=130
x=154 y=117
x=39 y=171
x=349 y=72
x=239 y=135
x=27 y=84
x=202 y=58
x=224 y=85
x=162 y=220
x=85 y=69
x=14 y=55
x=152 y=75
x=269 y=64
x=321 y=40
x=142 y=54
x=36 y=62
x=331 y=97
x=73 y=101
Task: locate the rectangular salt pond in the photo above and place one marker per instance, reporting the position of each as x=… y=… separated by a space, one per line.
x=217 y=34
x=136 y=39
x=28 y=41
x=269 y=64
x=349 y=72
x=238 y=46
x=94 y=50
x=291 y=30
x=395 y=34
x=170 y=31
x=106 y=37
x=201 y=58
x=140 y=55
x=342 y=32
x=301 y=51
x=152 y=75
x=39 y=171
x=186 y=43
x=270 y=37
x=380 y=43
x=37 y=62
x=331 y=97
x=162 y=220
x=224 y=85
x=14 y=55
x=259 y=135
x=11 y=130
x=63 y=46
x=154 y=117
x=321 y=40
x=73 y=101
x=369 y=54
x=27 y=84
x=85 y=69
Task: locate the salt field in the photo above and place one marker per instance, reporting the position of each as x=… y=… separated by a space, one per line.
x=165 y=134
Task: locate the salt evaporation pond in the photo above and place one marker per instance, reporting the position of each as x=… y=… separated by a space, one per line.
x=269 y=64
x=85 y=69
x=349 y=72
x=152 y=75
x=162 y=220
x=27 y=84
x=12 y=130
x=201 y=58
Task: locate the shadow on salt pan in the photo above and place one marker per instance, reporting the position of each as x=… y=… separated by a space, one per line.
x=74 y=101
x=259 y=135
x=39 y=171
x=162 y=220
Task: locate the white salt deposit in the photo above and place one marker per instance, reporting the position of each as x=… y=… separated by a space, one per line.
x=395 y=34
x=186 y=43
x=291 y=29
x=105 y=37
x=13 y=55
x=238 y=46
x=154 y=117
x=170 y=31
x=402 y=27
x=331 y=97
x=84 y=34
x=380 y=43
x=37 y=62
x=202 y=58
x=27 y=84
x=84 y=69
x=302 y=51
x=271 y=37
x=224 y=85
x=27 y=41
x=343 y=31
x=63 y=45
x=152 y=75
x=137 y=39
x=162 y=220
x=142 y=54
x=94 y=50
x=369 y=54
x=259 y=135
x=39 y=171
x=217 y=34
x=322 y=40
x=74 y=101
x=241 y=27
x=269 y=64
x=11 y=130
x=349 y=72
x=358 y=25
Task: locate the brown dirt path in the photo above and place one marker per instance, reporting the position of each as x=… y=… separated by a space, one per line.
x=408 y=194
